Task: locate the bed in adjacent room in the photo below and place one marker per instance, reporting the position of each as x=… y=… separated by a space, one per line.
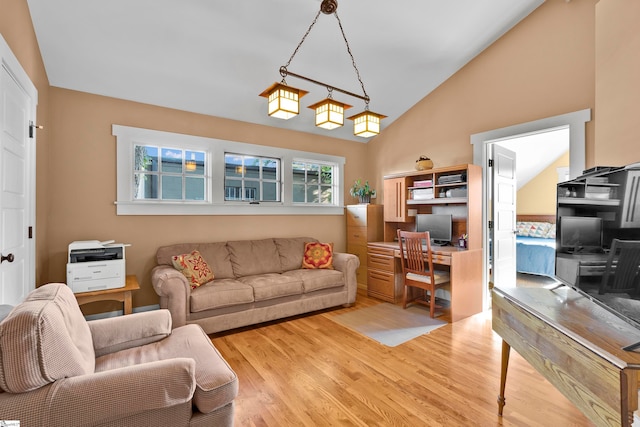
x=536 y=244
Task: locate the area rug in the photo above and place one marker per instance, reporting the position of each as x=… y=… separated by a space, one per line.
x=390 y=324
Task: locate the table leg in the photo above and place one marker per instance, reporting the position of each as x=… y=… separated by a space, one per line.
x=506 y=348
x=128 y=305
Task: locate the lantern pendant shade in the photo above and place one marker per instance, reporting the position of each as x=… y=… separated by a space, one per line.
x=329 y=113
x=283 y=100
x=366 y=124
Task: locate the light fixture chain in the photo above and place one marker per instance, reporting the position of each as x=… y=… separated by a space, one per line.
x=303 y=38
x=353 y=61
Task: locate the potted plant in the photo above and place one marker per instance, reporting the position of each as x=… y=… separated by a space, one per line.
x=362 y=191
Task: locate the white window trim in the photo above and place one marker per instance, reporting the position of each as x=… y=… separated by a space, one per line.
x=127 y=137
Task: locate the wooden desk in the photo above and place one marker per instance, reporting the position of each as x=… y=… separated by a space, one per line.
x=575 y=344
x=117 y=294
x=384 y=279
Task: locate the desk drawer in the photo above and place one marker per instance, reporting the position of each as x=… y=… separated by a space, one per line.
x=357 y=235
x=381 y=262
x=381 y=284
x=357 y=216
x=441 y=259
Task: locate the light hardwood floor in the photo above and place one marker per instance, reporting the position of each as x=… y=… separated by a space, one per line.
x=311 y=371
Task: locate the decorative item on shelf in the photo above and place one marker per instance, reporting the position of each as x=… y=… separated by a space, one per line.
x=462 y=240
x=362 y=191
x=424 y=163
x=284 y=100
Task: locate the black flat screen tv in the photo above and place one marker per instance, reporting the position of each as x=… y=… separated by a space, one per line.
x=438 y=225
x=580 y=234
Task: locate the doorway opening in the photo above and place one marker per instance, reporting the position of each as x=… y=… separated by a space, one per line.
x=482 y=149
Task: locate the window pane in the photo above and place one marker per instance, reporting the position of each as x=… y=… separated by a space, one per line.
x=171 y=160
x=232 y=165
x=326 y=175
x=145 y=158
x=194 y=188
x=146 y=186
x=312 y=194
x=269 y=169
x=269 y=192
x=194 y=162
x=251 y=167
x=298 y=172
x=313 y=174
x=172 y=187
x=251 y=190
x=298 y=193
x=232 y=189
x=326 y=196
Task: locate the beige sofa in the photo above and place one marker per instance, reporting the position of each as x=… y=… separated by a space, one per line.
x=57 y=369
x=255 y=281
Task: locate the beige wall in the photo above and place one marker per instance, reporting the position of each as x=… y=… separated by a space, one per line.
x=617 y=82
x=541 y=68
x=538 y=196
x=83 y=166
x=17 y=30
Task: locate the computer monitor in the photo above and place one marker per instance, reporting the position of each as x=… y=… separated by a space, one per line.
x=580 y=234
x=438 y=225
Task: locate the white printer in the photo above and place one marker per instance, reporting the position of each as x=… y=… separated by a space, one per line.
x=95 y=265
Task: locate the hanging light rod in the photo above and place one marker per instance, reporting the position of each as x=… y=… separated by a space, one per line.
x=284 y=100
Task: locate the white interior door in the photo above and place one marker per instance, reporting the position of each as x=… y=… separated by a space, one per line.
x=504 y=216
x=17 y=192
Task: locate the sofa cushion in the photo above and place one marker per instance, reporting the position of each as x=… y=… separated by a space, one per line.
x=215 y=254
x=220 y=293
x=317 y=255
x=43 y=339
x=194 y=268
x=251 y=257
x=291 y=251
x=216 y=383
x=273 y=285
x=313 y=280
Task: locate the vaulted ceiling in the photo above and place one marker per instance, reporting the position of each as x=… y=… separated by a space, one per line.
x=216 y=57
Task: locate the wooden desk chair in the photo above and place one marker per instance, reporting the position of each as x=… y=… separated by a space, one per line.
x=622 y=267
x=417 y=269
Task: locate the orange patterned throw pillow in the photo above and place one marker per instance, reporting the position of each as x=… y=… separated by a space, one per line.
x=317 y=255
x=194 y=268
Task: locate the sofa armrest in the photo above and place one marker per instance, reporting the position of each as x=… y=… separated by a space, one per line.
x=348 y=264
x=119 y=333
x=174 y=291
x=101 y=398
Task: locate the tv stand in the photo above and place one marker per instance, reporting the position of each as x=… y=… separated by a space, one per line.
x=574 y=343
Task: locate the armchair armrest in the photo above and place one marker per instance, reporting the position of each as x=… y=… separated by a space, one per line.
x=348 y=264
x=100 y=398
x=174 y=291
x=119 y=333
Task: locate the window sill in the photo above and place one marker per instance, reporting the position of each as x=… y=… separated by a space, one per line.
x=146 y=208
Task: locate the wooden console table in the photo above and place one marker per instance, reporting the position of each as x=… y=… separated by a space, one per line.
x=575 y=344
x=116 y=294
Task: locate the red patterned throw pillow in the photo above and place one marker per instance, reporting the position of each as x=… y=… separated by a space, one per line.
x=317 y=255
x=194 y=268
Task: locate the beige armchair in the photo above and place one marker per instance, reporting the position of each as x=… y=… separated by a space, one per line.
x=57 y=369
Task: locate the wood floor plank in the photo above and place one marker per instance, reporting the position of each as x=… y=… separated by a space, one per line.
x=311 y=371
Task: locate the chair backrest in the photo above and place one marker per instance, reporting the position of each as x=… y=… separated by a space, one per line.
x=43 y=339
x=414 y=246
x=622 y=267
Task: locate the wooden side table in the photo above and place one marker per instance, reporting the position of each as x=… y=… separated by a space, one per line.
x=117 y=294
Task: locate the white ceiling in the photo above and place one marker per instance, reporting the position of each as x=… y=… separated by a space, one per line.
x=215 y=57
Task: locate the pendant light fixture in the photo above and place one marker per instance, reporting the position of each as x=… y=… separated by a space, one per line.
x=284 y=100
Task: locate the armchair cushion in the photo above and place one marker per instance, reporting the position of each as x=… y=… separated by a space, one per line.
x=118 y=333
x=44 y=339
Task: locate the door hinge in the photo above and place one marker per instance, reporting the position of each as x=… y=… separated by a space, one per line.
x=490 y=163
x=30 y=232
x=32 y=127
x=490 y=225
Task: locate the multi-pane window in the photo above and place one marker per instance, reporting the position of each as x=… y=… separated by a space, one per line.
x=314 y=182
x=162 y=173
x=251 y=178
